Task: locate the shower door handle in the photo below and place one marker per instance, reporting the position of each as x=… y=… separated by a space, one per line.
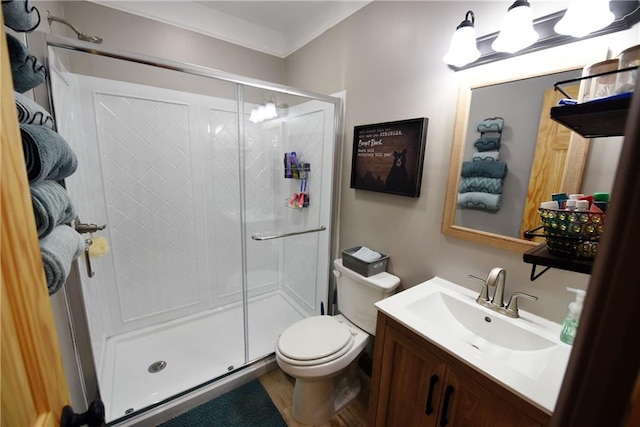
x=87 y=260
x=83 y=228
x=259 y=236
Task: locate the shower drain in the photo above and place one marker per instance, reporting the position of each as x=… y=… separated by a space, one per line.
x=158 y=366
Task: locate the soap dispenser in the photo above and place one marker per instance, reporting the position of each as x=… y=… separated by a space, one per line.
x=570 y=324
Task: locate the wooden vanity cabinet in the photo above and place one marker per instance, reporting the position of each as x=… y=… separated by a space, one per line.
x=415 y=383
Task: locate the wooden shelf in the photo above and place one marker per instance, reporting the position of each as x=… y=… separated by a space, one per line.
x=540 y=256
x=599 y=118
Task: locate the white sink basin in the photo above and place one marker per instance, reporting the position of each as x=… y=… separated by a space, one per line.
x=472 y=325
x=524 y=354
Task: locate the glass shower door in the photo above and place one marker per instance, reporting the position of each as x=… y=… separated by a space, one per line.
x=287 y=212
x=158 y=164
x=214 y=247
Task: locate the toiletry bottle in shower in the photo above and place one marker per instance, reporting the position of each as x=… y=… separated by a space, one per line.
x=293 y=160
x=287 y=166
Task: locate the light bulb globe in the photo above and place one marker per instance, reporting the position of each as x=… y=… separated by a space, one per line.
x=516 y=31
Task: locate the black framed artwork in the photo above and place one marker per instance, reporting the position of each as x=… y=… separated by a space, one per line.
x=388 y=157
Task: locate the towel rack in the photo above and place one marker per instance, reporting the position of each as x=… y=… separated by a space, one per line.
x=259 y=236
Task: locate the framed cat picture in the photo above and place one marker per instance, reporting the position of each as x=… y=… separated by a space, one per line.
x=388 y=157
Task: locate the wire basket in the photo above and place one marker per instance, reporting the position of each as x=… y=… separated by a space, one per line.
x=572 y=234
x=363 y=268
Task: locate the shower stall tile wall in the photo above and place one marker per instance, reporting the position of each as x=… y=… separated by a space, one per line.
x=183 y=180
x=144 y=147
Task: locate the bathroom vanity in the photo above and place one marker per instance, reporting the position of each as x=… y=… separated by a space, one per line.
x=436 y=362
x=417 y=384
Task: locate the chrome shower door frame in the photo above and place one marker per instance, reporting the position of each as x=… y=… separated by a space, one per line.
x=39 y=44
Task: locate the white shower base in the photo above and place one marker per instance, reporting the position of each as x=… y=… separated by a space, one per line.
x=196 y=349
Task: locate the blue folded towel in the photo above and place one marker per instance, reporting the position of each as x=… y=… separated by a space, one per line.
x=47 y=155
x=31 y=113
x=20 y=16
x=480 y=184
x=51 y=206
x=487 y=144
x=491 y=202
x=59 y=249
x=26 y=70
x=484 y=169
x=488 y=156
x=492 y=124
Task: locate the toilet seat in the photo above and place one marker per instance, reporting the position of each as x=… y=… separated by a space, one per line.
x=314 y=340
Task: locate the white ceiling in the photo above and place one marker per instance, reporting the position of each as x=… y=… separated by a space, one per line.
x=275 y=27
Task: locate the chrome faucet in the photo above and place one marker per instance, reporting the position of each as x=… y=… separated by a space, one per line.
x=497 y=278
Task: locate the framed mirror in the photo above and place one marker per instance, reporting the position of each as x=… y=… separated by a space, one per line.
x=535 y=157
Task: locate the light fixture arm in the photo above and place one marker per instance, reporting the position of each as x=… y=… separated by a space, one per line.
x=468 y=22
x=519 y=3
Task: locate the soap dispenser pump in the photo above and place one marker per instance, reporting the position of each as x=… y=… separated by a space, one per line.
x=570 y=324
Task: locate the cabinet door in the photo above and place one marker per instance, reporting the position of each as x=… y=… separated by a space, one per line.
x=466 y=402
x=410 y=384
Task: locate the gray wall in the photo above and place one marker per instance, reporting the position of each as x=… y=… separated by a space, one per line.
x=388 y=58
x=136 y=34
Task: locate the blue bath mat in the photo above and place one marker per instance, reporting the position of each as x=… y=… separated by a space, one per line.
x=247 y=406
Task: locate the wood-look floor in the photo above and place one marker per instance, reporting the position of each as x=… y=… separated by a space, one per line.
x=280 y=388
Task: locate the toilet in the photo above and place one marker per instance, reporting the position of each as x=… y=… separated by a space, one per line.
x=321 y=352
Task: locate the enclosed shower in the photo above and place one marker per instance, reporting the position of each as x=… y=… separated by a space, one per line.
x=211 y=251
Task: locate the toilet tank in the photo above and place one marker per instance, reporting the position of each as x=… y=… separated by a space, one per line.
x=358 y=294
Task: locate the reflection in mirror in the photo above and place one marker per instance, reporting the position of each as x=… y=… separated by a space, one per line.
x=558 y=159
x=540 y=157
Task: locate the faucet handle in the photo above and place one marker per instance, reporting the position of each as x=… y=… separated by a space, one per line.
x=483 y=297
x=512 y=306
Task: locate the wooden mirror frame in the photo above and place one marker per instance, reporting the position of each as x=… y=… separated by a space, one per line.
x=571 y=176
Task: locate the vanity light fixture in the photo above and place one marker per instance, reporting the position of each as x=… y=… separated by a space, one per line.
x=463 y=49
x=584 y=17
x=263 y=112
x=516 y=31
x=626 y=15
x=270 y=110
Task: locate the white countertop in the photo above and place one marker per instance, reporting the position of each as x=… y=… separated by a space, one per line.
x=536 y=376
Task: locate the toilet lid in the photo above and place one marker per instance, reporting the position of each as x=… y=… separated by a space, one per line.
x=314 y=338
